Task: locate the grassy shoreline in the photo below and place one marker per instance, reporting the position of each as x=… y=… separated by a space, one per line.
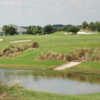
x=13 y=93
x=85 y=67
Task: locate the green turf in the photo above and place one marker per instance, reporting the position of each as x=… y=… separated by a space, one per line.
x=21 y=94
x=57 y=42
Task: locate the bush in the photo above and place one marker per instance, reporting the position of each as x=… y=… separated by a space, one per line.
x=48 y=29
x=13 y=51
x=78 y=55
x=35 y=45
x=73 y=29
x=34 y=30
x=9 y=30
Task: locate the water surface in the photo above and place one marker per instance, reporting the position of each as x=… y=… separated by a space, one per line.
x=47 y=84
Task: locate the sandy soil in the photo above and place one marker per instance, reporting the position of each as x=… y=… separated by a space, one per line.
x=19 y=41
x=1 y=40
x=65 y=66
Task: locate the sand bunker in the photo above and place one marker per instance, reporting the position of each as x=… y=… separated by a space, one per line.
x=65 y=66
x=1 y=40
x=20 y=41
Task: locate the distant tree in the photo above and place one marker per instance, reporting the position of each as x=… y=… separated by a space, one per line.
x=34 y=30
x=92 y=26
x=67 y=27
x=48 y=29
x=73 y=29
x=84 y=25
x=5 y=29
x=58 y=27
x=29 y=30
x=39 y=29
x=97 y=26
x=9 y=30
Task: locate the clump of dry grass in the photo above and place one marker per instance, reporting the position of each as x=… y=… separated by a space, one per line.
x=2 y=84
x=13 y=51
x=52 y=56
x=84 y=55
x=9 y=51
x=77 y=55
x=16 y=85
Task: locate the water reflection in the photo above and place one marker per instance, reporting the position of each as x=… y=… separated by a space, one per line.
x=50 y=84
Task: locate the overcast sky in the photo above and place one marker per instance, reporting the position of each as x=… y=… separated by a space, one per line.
x=42 y=12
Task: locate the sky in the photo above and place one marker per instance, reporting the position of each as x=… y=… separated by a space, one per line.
x=43 y=12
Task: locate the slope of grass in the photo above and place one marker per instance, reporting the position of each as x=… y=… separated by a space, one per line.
x=21 y=94
x=57 y=42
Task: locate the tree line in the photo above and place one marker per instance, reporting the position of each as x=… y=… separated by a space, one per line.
x=92 y=26
x=48 y=29
x=12 y=30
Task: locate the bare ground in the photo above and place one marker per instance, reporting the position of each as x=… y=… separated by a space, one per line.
x=65 y=66
x=1 y=40
x=19 y=41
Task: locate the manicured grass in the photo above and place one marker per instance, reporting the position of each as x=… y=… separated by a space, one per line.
x=87 y=67
x=21 y=94
x=57 y=42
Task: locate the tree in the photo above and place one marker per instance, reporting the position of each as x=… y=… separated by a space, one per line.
x=48 y=29
x=92 y=26
x=97 y=26
x=34 y=30
x=5 y=29
x=58 y=27
x=66 y=28
x=9 y=30
x=29 y=30
x=73 y=29
x=84 y=25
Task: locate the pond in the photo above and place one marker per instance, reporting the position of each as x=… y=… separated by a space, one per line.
x=48 y=84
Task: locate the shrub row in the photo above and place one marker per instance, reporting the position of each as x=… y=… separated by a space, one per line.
x=13 y=51
x=77 y=55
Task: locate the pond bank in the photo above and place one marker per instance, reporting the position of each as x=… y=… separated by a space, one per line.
x=22 y=94
x=83 y=68
x=70 y=82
